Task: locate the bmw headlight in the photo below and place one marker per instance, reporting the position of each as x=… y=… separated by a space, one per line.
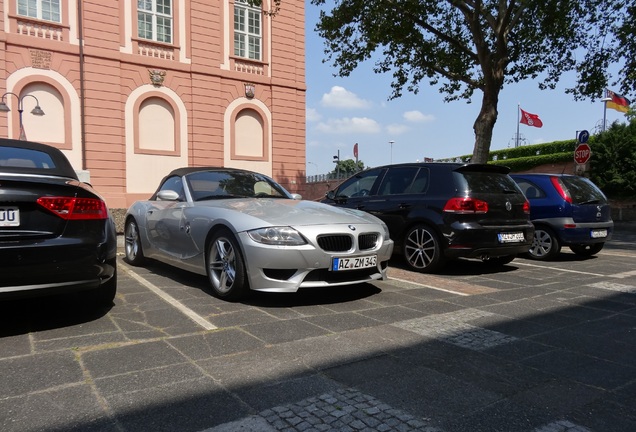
x=281 y=236
x=386 y=231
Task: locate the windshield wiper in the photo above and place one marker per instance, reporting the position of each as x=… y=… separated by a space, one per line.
x=264 y=195
x=223 y=196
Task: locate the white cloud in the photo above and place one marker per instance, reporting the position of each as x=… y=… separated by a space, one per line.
x=397 y=129
x=417 y=117
x=311 y=115
x=339 y=97
x=347 y=125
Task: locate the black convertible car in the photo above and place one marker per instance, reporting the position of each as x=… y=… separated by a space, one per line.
x=56 y=232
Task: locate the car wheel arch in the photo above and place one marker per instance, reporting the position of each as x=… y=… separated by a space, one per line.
x=215 y=229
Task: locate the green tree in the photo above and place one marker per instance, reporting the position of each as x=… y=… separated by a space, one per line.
x=614 y=160
x=466 y=45
x=347 y=168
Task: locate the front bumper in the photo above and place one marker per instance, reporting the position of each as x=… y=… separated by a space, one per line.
x=288 y=269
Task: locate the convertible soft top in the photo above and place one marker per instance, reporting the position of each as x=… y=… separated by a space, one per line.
x=33 y=158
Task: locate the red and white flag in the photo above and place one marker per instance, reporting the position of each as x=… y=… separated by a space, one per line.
x=530 y=119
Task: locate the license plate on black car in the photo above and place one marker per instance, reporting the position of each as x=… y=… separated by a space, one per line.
x=514 y=237
x=354 y=263
x=9 y=216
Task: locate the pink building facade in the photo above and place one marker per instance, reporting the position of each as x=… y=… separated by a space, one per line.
x=133 y=89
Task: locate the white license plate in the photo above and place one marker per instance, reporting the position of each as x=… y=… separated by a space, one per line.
x=598 y=233
x=514 y=237
x=9 y=216
x=354 y=263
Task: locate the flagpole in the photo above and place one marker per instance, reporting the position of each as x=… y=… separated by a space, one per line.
x=518 y=120
x=604 y=111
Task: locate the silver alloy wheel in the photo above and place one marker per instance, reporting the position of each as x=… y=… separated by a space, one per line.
x=543 y=244
x=420 y=248
x=222 y=265
x=132 y=240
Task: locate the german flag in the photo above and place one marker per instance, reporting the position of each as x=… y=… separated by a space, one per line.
x=616 y=101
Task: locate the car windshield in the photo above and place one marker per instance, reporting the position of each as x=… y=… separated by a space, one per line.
x=583 y=191
x=206 y=185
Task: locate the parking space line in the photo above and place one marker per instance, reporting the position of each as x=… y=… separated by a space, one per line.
x=169 y=299
x=560 y=269
x=624 y=274
x=428 y=286
x=619 y=254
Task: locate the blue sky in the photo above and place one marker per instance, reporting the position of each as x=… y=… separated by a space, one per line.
x=356 y=109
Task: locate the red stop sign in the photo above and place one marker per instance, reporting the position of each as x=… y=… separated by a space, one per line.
x=582 y=153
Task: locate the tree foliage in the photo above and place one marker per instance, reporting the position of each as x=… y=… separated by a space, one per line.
x=614 y=160
x=463 y=46
x=348 y=167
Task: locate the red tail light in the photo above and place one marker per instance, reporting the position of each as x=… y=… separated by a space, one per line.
x=466 y=205
x=526 y=207
x=70 y=208
x=561 y=189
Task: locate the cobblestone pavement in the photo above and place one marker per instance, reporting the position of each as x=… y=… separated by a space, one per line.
x=530 y=347
x=348 y=410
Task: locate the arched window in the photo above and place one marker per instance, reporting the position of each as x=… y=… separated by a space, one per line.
x=249 y=136
x=156 y=127
x=49 y=128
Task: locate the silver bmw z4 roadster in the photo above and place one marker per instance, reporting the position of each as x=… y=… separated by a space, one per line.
x=246 y=232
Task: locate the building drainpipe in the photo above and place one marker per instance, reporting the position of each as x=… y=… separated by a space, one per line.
x=80 y=22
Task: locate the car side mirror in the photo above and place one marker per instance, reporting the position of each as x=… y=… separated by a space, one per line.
x=168 y=195
x=331 y=195
x=296 y=196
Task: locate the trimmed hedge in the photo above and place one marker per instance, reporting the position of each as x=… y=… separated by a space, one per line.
x=527 y=156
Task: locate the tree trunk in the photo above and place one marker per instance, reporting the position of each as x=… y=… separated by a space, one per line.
x=484 y=125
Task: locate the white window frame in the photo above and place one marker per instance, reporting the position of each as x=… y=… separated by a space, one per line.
x=248 y=31
x=155 y=17
x=35 y=9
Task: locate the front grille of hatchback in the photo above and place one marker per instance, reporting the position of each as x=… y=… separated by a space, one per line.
x=367 y=241
x=335 y=243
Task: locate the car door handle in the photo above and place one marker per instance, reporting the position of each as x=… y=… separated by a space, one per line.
x=150 y=211
x=405 y=205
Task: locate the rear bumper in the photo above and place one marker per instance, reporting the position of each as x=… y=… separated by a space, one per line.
x=55 y=266
x=466 y=240
x=572 y=233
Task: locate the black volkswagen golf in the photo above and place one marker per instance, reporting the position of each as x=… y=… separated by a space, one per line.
x=441 y=211
x=56 y=233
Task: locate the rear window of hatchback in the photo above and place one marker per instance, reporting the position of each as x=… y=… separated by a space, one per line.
x=485 y=182
x=583 y=191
